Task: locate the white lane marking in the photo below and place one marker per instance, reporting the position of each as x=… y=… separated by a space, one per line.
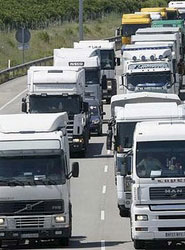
x=106 y=169
x=102 y=244
x=102 y=215
x=104 y=189
x=5 y=105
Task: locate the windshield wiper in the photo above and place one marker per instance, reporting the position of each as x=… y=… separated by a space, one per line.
x=15 y=182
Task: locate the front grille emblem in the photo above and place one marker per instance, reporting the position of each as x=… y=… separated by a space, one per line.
x=173 y=192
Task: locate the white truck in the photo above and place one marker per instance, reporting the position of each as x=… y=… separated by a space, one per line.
x=89 y=59
x=161 y=38
x=57 y=89
x=108 y=63
x=158 y=182
x=35 y=177
x=126 y=111
x=148 y=68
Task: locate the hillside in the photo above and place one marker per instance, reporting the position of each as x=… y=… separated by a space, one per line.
x=38 y=13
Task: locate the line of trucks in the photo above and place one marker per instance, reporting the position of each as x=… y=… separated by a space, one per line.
x=60 y=110
x=146 y=132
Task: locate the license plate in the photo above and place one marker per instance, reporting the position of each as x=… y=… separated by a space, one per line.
x=34 y=235
x=175 y=234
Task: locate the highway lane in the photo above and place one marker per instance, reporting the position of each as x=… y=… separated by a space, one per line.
x=96 y=221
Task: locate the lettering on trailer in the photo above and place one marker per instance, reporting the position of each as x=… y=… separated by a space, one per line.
x=171 y=180
x=76 y=63
x=95 y=46
x=148 y=66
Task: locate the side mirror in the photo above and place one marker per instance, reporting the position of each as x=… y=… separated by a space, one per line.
x=75 y=169
x=85 y=107
x=124 y=169
x=118 y=61
x=24 y=105
x=104 y=82
x=109 y=140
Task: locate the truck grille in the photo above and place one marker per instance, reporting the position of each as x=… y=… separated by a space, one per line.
x=29 y=222
x=31 y=207
x=167 y=193
x=70 y=127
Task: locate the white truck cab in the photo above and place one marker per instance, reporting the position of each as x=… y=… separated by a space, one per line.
x=148 y=68
x=108 y=63
x=89 y=59
x=34 y=178
x=158 y=182
x=58 y=89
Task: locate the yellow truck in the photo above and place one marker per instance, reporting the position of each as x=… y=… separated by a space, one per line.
x=132 y=22
x=162 y=11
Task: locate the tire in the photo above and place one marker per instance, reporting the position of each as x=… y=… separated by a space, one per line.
x=139 y=244
x=124 y=213
x=70 y=219
x=64 y=242
x=108 y=100
x=100 y=130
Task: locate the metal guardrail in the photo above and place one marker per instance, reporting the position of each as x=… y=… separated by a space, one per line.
x=21 y=70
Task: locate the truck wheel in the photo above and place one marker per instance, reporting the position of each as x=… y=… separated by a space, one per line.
x=124 y=213
x=139 y=244
x=108 y=100
x=100 y=130
x=64 y=241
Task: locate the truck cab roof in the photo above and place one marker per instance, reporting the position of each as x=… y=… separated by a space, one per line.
x=142 y=97
x=29 y=123
x=149 y=111
x=171 y=130
x=95 y=44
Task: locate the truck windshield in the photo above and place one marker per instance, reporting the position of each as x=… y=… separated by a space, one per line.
x=107 y=59
x=32 y=170
x=148 y=79
x=92 y=76
x=160 y=159
x=55 y=104
x=130 y=29
x=125 y=132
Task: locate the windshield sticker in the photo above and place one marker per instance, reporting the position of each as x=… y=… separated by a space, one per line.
x=148 y=66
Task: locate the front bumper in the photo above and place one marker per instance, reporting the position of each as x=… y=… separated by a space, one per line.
x=34 y=234
x=161 y=225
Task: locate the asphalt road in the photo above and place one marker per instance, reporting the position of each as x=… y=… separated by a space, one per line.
x=96 y=220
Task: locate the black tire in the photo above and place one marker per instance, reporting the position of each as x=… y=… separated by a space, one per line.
x=108 y=100
x=139 y=244
x=124 y=213
x=70 y=219
x=100 y=130
x=64 y=242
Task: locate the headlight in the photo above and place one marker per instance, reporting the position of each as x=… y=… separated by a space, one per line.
x=109 y=84
x=77 y=140
x=140 y=217
x=60 y=219
x=96 y=121
x=2 y=221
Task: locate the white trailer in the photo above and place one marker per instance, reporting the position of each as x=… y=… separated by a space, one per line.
x=57 y=89
x=158 y=182
x=127 y=111
x=108 y=63
x=34 y=178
